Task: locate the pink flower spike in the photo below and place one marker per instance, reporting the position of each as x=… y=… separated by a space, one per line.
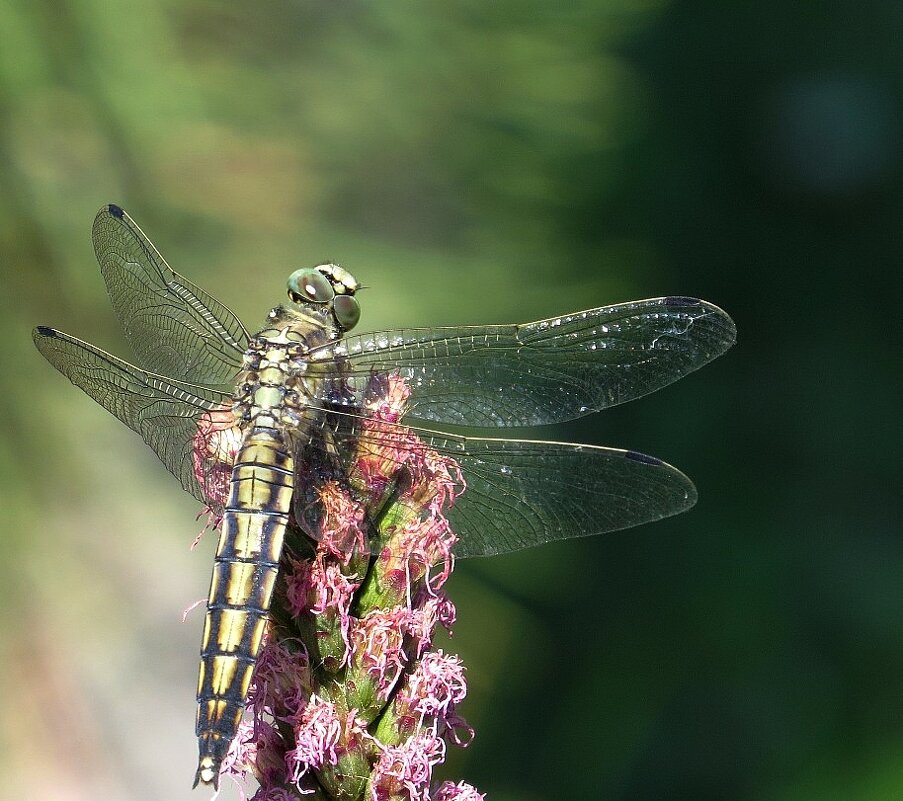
x=318 y=587
x=256 y=752
x=215 y=446
x=432 y=608
x=377 y=645
x=317 y=734
x=462 y=791
x=332 y=590
x=297 y=584
x=407 y=768
x=282 y=680
x=390 y=398
x=342 y=530
x=437 y=684
x=270 y=766
x=239 y=762
x=446 y=478
x=424 y=543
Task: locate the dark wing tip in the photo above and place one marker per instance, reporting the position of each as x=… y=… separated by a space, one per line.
x=43 y=331
x=681 y=300
x=636 y=456
x=115 y=210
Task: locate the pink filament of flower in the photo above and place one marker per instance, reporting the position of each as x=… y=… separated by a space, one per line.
x=457 y=730
x=426 y=543
x=242 y=753
x=214 y=448
x=429 y=612
x=319 y=586
x=445 y=479
x=376 y=643
x=393 y=400
x=257 y=746
x=437 y=684
x=342 y=527
x=462 y=791
x=408 y=766
x=317 y=734
x=281 y=680
x=298 y=584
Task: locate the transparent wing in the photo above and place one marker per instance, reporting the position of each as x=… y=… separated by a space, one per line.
x=174 y=327
x=167 y=414
x=521 y=493
x=543 y=372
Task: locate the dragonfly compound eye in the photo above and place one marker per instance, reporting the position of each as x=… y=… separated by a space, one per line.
x=309 y=286
x=347 y=311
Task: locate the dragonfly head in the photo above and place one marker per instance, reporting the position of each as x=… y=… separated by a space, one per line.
x=327 y=284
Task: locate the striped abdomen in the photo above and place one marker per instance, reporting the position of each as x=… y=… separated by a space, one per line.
x=244 y=574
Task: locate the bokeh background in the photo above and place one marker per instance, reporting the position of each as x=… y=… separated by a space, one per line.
x=485 y=162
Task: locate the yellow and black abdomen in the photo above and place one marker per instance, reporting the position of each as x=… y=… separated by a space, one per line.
x=241 y=589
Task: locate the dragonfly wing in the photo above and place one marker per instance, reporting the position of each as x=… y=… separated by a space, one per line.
x=167 y=414
x=521 y=493
x=174 y=327
x=547 y=371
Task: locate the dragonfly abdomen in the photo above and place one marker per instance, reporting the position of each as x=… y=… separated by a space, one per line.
x=241 y=589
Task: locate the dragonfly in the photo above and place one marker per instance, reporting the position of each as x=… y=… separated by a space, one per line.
x=238 y=418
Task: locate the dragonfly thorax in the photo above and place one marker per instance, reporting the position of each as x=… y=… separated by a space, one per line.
x=275 y=385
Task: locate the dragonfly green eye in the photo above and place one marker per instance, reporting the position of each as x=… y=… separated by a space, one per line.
x=347 y=311
x=309 y=286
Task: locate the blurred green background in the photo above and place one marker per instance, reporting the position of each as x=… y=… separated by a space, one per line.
x=485 y=162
